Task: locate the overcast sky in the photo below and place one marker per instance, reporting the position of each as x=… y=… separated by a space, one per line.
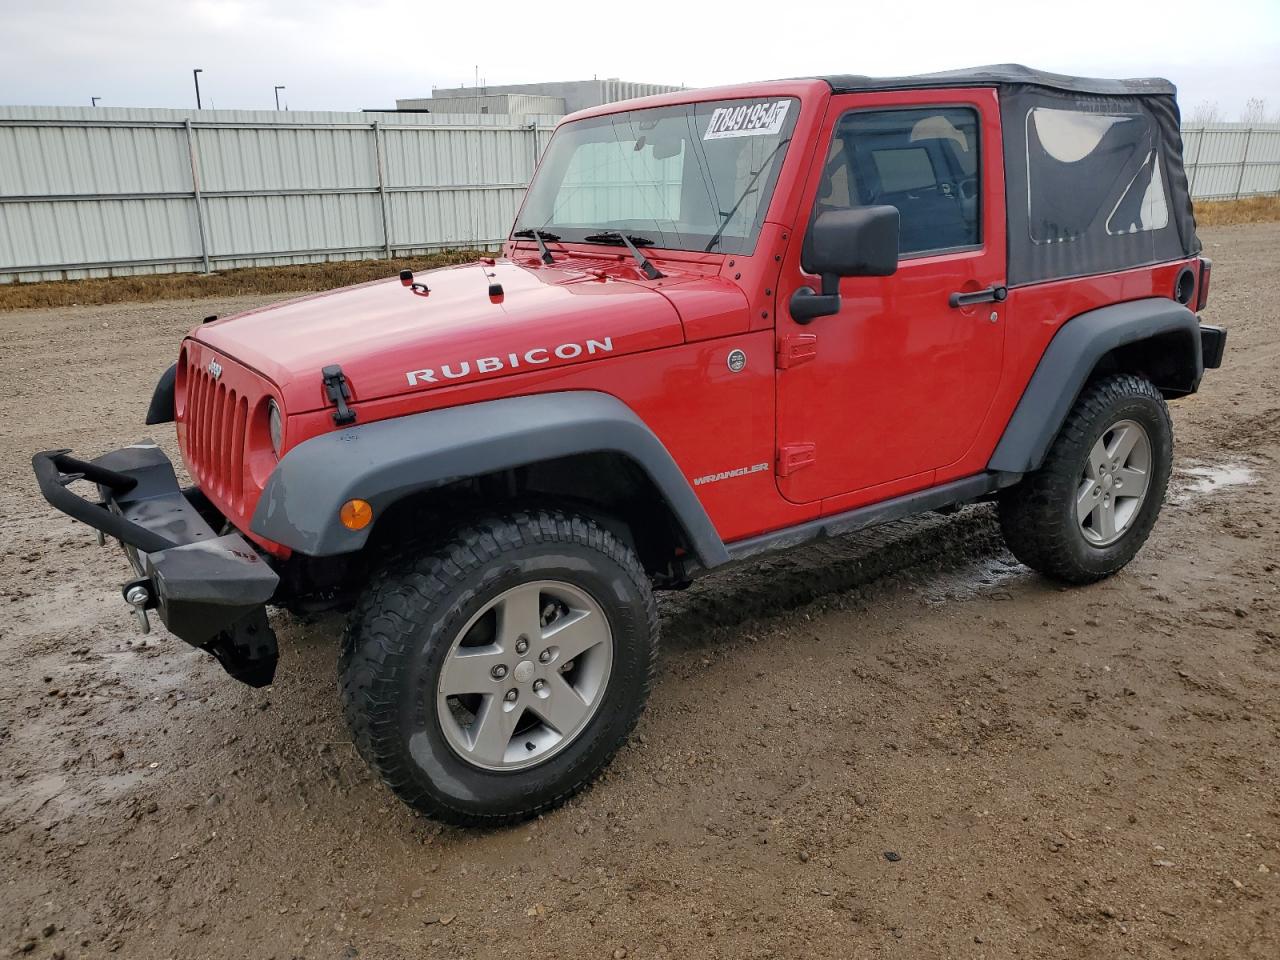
x=348 y=55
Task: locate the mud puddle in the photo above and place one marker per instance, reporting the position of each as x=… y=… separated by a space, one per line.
x=1198 y=478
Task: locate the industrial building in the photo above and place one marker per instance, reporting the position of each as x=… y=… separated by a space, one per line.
x=525 y=99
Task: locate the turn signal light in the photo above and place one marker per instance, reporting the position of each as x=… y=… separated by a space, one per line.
x=356 y=514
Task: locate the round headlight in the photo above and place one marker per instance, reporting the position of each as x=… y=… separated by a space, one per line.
x=275 y=423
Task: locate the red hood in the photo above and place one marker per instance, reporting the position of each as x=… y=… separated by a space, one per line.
x=390 y=340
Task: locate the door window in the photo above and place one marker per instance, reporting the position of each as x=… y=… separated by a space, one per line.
x=923 y=161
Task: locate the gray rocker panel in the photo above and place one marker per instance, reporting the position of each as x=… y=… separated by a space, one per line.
x=384 y=461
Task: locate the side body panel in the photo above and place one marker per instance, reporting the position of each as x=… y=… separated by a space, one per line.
x=1038 y=312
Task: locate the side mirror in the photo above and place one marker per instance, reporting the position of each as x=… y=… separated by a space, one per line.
x=862 y=242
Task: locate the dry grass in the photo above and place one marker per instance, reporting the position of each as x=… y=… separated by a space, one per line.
x=1222 y=213
x=296 y=278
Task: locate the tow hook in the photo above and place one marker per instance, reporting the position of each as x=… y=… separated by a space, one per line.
x=138 y=595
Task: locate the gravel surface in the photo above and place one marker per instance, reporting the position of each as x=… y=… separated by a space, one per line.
x=898 y=744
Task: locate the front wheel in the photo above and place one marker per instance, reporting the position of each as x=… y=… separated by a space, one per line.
x=1091 y=506
x=495 y=676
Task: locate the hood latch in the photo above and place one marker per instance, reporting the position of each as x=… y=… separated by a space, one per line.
x=338 y=391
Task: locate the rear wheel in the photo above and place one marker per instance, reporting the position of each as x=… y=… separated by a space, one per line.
x=1091 y=506
x=493 y=677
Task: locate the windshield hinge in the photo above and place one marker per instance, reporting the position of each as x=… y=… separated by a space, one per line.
x=338 y=392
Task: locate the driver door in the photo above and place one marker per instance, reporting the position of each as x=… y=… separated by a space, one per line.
x=877 y=399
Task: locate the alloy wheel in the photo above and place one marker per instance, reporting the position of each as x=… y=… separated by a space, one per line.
x=525 y=675
x=1114 y=483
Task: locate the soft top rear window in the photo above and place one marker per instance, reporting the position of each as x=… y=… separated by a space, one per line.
x=1085 y=167
x=1094 y=182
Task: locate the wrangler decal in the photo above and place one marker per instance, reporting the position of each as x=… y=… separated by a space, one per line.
x=729 y=474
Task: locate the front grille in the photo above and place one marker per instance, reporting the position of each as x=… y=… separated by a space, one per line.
x=216 y=419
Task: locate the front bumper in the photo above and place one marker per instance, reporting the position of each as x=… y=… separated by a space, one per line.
x=210 y=590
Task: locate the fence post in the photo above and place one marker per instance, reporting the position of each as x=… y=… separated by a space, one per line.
x=193 y=159
x=382 y=189
x=1195 y=165
x=1244 y=162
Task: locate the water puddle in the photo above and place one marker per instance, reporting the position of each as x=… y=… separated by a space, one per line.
x=1199 y=479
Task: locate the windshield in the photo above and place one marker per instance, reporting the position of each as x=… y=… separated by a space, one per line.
x=696 y=176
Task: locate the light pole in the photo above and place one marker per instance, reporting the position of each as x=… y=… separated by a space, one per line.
x=93 y=101
x=195 y=75
x=278 y=89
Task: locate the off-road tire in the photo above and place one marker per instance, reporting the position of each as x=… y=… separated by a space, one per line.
x=1038 y=515
x=404 y=625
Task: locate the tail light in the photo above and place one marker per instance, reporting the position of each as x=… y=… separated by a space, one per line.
x=1206 y=269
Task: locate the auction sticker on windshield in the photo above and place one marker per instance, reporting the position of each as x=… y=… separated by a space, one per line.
x=758 y=119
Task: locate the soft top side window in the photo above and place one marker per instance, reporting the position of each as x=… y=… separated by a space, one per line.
x=922 y=160
x=1073 y=160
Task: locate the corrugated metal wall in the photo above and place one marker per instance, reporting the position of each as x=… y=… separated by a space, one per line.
x=1231 y=160
x=94 y=192
x=87 y=192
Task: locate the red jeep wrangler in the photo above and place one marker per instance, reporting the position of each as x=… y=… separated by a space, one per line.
x=726 y=322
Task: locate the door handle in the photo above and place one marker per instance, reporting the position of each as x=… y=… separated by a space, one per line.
x=989 y=295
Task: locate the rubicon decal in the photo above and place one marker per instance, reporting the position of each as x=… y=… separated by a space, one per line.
x=535 y=357
x=730 y=474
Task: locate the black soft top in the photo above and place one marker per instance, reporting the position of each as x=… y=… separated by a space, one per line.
x=1094 y=179
x=1005 y=75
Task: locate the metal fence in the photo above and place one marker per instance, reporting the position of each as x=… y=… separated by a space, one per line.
x=96 y=192
x=1227 y=161
x=103 y=192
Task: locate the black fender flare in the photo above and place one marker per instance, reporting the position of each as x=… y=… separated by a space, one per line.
x=382 y=462
x=1070 y=358
x=162 y=402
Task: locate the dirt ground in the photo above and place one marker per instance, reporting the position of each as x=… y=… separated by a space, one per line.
x=899 y=744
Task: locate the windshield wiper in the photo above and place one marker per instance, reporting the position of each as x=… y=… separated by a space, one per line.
x=537 y=236
x=746 y=191
x=632 y=244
